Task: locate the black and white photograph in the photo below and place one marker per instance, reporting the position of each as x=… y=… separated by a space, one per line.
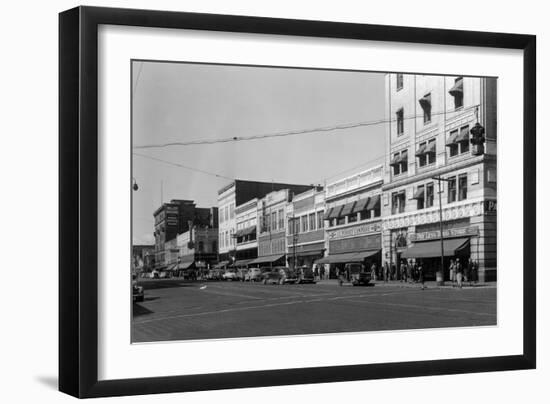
x=283 y=201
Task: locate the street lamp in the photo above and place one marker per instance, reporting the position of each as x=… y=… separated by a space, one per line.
x=440 y=275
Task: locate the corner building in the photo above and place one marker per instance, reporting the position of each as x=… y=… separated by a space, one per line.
x=428 y=136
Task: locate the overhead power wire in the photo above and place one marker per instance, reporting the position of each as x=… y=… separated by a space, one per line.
x=287 y=133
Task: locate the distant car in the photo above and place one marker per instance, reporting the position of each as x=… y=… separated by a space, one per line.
x=230 y=275
x=354 y=273
x=279 y=275
x=253 y=275
x=241 y=274
x=305 y=275
x=138 y=295
x=214 y=275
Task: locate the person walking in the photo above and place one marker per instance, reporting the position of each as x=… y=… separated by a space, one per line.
x=452 y=272
x=410 y=271
x=420 y=271
x=470 y=270
x=459 y=273
x=374 y=272
x=403 y=271
x=386 y=272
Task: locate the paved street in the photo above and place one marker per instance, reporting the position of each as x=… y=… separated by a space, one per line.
x=177 y=310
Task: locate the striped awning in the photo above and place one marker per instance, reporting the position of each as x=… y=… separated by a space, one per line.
x=335 y=212
x=347 y=209
x=429 y=249
x=421 y=150
x=361 y=205
x=327 y=213
x=374 y=202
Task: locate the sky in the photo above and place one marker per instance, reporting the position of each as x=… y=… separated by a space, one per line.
x=182 y=102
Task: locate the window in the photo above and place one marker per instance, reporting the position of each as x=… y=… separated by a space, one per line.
x=214 y=246
x=396 y=166
x=457 y=91
x=419 y=196
x=281 y=219
x=267 y=222
x=452 y=190
x=201 y=246
x=398 y=202
x=304 y=223
x=429 y=195
x=404 y=161
x=320 y=219
x=227 y=213
x=400 y=123
x=274 y=220
x=462 y=187
x=364 y=215
x=430 y=152
x=232 y=211
x=352 y=218
x=341 y=221
x=426 y=104
x=398 y=82
x=464 y=139
x=312 y=221
x=453 y=147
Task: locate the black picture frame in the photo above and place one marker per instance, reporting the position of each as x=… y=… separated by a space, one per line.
x=78 y=200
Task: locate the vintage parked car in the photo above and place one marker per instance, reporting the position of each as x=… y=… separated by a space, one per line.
x=138 y=295
x=214 y=275
x=305 y=275
x=230 y=275
x=253 y=275
x=354 y=273
x=279 y=275
x=241 y=274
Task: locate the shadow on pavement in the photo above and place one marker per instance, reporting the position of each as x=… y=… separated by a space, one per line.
x=139 y=310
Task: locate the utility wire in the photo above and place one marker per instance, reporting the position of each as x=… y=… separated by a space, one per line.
x=182 y=166
x=288 y=133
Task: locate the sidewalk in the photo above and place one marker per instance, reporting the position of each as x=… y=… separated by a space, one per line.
x=427 y=285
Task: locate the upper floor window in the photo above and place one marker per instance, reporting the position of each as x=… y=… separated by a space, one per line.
x=312 y=221
x=451 y=187
x=320 y=219
x=457 y=92
x=462 y=187
x=399 y=117
x=281 y=219
x=426 y=153
x=400 y=162
x=458 y=141
x=420 y=197
x=304 y=223
x=426 y=104
x=398 y=81
x=398 y=202
x=429 y=194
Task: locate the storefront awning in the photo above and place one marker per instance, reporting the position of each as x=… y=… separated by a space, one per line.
x=171 y=267
x=185 y=265
x=365 y=254
x=463 y=135
x=245 y=232
x=221 y=264
x=327 y=213
x=457 y=89
x=421 y=150
x=338 y=258
x=267 y=259
x=430 y=149
x=430 y=249
x=374 y=202
x=335 y=212
x=347 y=209
x=360 y=205
x=242 y=263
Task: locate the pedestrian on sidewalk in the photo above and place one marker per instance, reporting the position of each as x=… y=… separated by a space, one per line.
x=459 y=272
x=410 y=271
x=403 y=271
x=470 y=270
x=386 y=271
x=420 y=271
x=452 y=272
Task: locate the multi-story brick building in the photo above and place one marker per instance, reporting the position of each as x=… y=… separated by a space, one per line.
x=235 y=194
x=176 y=217
x=305 y=230
x=197 y=248
x=429 y=136
x=352 y=221
x=246 y=232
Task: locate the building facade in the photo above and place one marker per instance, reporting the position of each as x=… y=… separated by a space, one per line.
x=271 y=228
x=235 y=194
x=143 y=258
x=246 y=233
x=197 y=248
x=176 y=217
x=306 y=228
x=435 y=131
x=353 y=221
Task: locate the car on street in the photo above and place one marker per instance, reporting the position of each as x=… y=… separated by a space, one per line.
x=230 y=275
x=305 y=275
x=253 y=275
x=241 y=274
x=354 y=273
x=138 y=295
x=279 y=275
x=214 y=275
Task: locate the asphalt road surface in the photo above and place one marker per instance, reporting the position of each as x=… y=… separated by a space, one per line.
x=177 y=310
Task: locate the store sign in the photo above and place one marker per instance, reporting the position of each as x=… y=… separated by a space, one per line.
x=355 y=231
x=490 y=207
x=447 y=233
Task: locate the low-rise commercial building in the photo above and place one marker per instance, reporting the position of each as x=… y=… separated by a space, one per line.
x=353 y=221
